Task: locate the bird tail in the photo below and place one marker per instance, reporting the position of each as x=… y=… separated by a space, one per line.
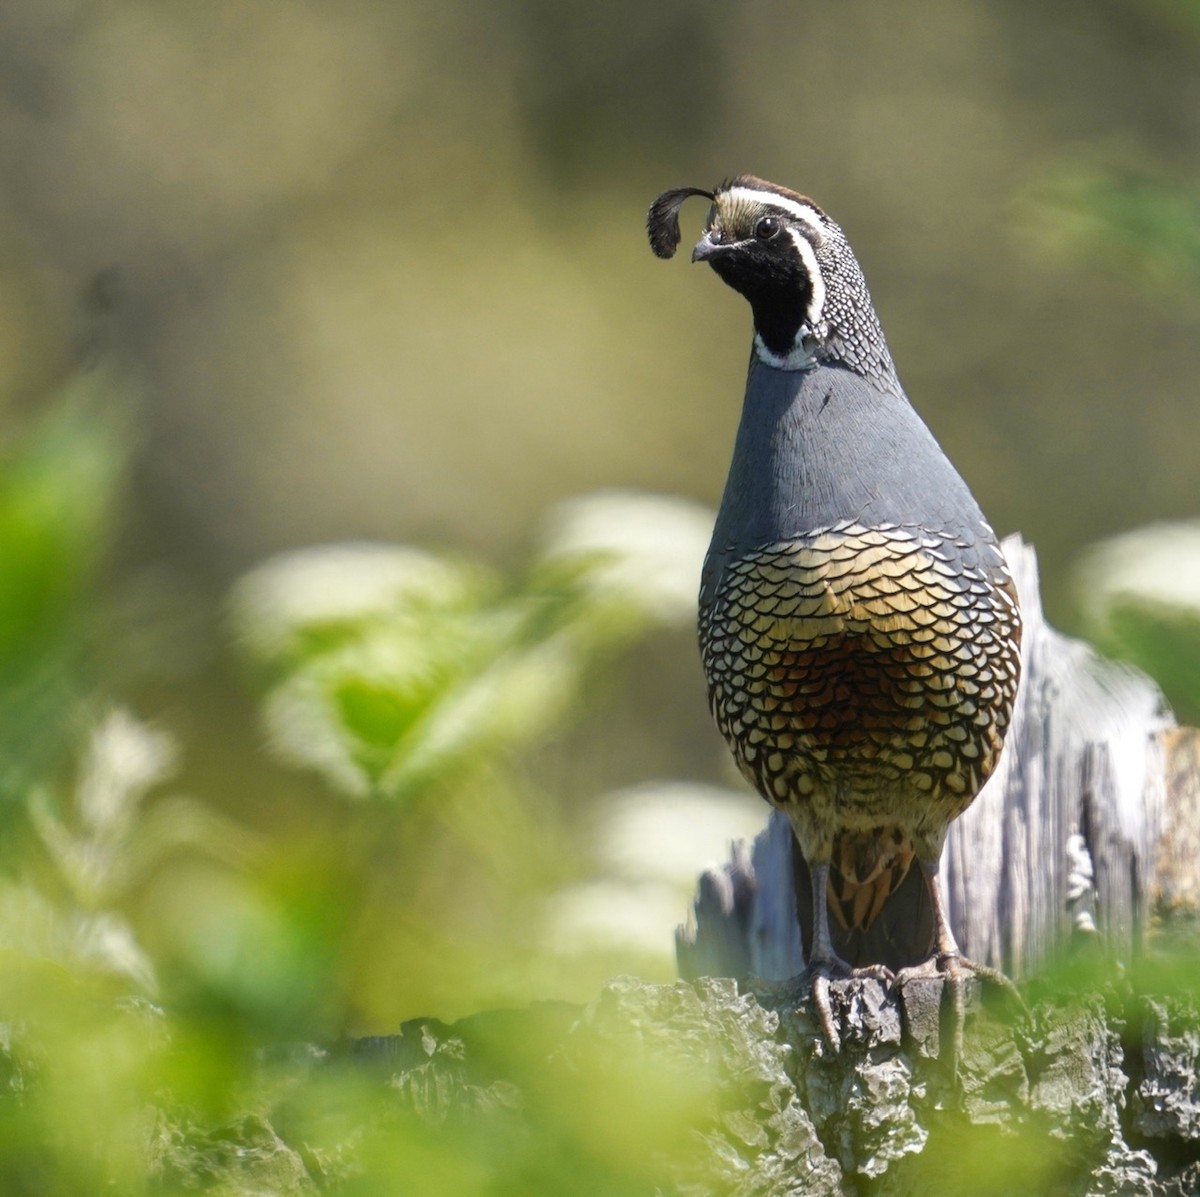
x=866 y=869
x=879 y=905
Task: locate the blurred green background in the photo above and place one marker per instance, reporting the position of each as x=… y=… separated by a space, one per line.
x=322 y=702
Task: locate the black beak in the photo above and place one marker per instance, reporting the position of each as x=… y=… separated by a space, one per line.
x=707 y=248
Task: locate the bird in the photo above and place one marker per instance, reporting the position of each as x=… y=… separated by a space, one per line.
x=859 y=628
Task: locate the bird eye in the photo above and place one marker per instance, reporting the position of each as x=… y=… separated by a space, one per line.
x=766 y=228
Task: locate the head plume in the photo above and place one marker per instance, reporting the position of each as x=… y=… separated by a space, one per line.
x=662 y=221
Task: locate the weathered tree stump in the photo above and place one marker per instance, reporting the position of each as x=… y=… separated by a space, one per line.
x=1088 y=831
x=1095 y=1094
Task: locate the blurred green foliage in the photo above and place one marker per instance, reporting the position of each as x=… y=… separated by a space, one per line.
x=1137 y=225
x=58 y=490
x=1165 y=643
x=395 y=671
x=152 y=947
x=1140 y=595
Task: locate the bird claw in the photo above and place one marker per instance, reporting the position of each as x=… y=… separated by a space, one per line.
x=954 y=970
x=822 y=973
x=824 y=1012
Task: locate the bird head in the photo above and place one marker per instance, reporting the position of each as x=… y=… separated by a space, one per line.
x=791 y=262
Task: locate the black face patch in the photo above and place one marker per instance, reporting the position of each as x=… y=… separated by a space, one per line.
x=773 y=277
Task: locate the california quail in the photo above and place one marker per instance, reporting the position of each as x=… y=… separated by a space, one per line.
x=858 y=626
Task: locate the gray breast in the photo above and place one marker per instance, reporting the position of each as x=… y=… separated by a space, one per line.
x=821 y=447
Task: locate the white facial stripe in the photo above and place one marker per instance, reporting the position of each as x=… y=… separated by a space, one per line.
x=800 y=356
x=751 y=195
x=799 y=211
x=808 y=256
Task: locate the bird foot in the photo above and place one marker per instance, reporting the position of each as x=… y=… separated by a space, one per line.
x=954 y=971
x=820 y=973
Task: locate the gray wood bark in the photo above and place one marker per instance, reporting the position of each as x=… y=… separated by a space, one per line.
x=1094 y=1095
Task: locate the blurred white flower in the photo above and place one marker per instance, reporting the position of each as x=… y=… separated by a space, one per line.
x=671 y=830
x=107 y=837
x=1157 y=565
x=92 y=844
x=648 y=549
x=303 y=728
x=34 y=927
x=353 y=582
x=614 y=915
x=651 y=843
x=125 y=760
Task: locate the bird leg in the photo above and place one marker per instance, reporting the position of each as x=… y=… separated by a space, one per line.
x=950 y=964
x=824 y=962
